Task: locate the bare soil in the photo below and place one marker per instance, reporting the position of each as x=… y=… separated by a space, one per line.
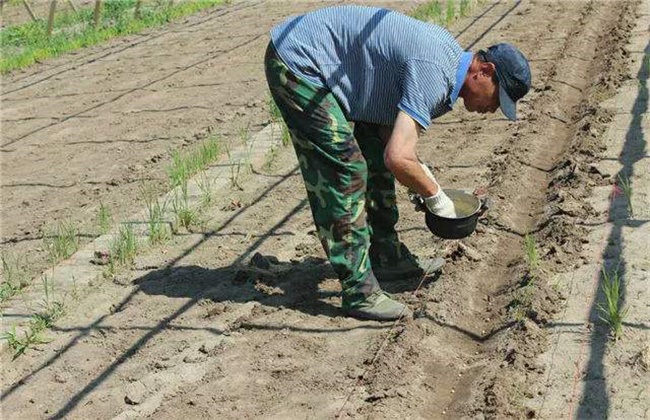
x=241 y=319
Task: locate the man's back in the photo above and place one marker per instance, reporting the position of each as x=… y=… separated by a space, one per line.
x=375 y=61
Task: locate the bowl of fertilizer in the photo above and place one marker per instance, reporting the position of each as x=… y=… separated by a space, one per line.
x=469 y=209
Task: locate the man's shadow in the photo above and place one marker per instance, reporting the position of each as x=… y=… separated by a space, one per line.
x=309 y=286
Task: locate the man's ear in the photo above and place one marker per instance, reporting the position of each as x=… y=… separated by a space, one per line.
x=488 y=69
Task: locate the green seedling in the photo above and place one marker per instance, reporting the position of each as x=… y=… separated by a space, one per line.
x=25 y=44
x=185 y=216
x=276 y=117
x=184 y=166
x=14 y=277
x=239 y=166
x=157 y=226
x=206 y=185
x=611 y=312
x=532 y=255
x=104 y=219
x=626 y=186
x=123 y=248
x=61 y=242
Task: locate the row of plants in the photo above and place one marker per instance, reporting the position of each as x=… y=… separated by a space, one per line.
x=25 y=44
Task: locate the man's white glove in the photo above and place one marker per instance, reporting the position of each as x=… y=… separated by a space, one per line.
x=441 y=205
x=438 y=204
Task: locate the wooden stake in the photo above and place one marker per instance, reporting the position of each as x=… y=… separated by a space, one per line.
x=30 y=11
x=98 y=12
x=138 y=4
x=74 y=8
x=50 y=17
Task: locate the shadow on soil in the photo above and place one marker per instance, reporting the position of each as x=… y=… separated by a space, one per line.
x=594 y=401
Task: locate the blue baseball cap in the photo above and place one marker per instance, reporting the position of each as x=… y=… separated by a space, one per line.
x=513 y=73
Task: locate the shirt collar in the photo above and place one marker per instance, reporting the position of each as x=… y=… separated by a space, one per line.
x=463 y=66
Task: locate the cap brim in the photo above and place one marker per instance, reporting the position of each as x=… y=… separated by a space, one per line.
x=507 y=105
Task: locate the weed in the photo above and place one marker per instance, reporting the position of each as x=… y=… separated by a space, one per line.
x=51 y=312
x=14 y=276
x=19 y=346
x=626 y=186
x=123 y=248
x=157 y=227
x=104 y=218
x=611 y=312
x=61 y=242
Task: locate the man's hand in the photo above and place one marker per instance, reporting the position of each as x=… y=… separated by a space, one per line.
x=439 y=203
x=401 y=160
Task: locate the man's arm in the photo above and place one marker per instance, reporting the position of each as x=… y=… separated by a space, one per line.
x=400 y=157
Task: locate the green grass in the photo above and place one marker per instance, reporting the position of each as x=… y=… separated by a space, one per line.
x=123 y=249
x=611 y=311
x=276 y=117
x=14 y=276
x=450 y=12
x=51 y=311
x=532 y=255
x=23 y=45
x=428 y=12
x=184 y=166
x=158 y=231
x=104 y=219
x=206 y=185
x=61 y=242
x=464 y=7
x=186 y=217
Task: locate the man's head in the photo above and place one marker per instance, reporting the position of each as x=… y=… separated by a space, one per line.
x=497 y=77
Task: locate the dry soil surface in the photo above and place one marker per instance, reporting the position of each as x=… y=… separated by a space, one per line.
x=241 y=319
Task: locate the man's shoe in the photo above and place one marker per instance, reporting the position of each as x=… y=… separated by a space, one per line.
x=408 y=268
x=380 y=307
x=397 y=263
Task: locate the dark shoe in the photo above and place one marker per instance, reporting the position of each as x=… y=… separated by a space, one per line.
x=380 y=307
x=405 y=269
x=403 y=266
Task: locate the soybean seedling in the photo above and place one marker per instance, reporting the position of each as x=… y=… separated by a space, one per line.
x=611 y=312
x=61 y=242
x=626 y=186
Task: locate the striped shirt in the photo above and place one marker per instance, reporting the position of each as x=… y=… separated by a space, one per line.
x=375 y=61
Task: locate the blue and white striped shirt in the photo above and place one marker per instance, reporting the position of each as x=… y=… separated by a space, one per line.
x=375 y=61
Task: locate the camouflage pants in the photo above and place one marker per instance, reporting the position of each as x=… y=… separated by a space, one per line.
x=350 y=191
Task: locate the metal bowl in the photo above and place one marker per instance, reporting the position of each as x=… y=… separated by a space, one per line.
x=468 y=208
